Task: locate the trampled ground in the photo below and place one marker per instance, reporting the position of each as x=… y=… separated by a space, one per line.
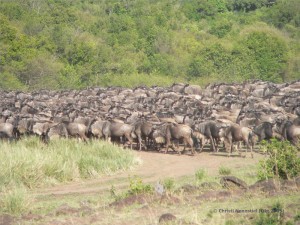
x=91 y=201
x=156 y=166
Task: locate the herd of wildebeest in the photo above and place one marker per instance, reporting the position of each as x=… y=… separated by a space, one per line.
x=158 y=118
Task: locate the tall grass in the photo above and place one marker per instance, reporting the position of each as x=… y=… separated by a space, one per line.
x=33 y=164
x=200 y=174
x=15 y=200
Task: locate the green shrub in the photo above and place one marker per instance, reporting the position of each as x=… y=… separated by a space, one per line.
x=137 y=186
x=221 y=28
x=269 y=52
x=224 y=170
x=282 y=162
x=169 y=184
x=200 y=174
x=31 y=163
x=15 y=201
x=275 y=217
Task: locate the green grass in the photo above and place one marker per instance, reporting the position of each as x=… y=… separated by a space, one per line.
x=33 y=164
x=29 y=164
x=15 y=200
x=224 y=170
x=200 y=174
x=169 y=184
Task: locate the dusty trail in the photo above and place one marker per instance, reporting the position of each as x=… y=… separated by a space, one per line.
x=153 y=167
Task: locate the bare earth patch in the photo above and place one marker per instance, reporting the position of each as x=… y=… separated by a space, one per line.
x=156 y=166
x=189 y=204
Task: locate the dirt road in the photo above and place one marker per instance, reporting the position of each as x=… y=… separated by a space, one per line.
x=152 y=168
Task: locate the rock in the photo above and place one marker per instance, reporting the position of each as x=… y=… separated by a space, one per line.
x=6 y=219
x=288 y=185
x=297 y=181
x=188 y=188
x=133 y=199
x=31 y=216
x=232 y=182
x=65 y=209
x=166 y=218
x=209 y=185
x=214 y=195
x=270 y=185
x=170 y=200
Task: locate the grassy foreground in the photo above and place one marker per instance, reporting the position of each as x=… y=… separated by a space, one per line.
x=29 y=163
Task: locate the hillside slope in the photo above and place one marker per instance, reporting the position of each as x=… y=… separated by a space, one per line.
x=73 y=43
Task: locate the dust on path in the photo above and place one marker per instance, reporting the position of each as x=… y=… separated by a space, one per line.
x=153 y=167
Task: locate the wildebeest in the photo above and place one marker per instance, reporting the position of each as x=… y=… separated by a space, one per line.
x=288 y=130
x=7 y=130
x=236 y=133
x=119 y=129
x=68 y=111
x=142 y=130
x=179 y=132
x=264 y=131
x=169 y=133
x=210 y=129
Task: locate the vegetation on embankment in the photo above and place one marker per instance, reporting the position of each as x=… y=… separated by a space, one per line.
x=74 y=44
x=29 y=163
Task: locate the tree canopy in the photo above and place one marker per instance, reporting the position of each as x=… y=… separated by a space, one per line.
x=57 y=44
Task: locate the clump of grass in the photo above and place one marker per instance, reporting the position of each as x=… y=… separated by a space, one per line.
x=224 y=170
x=275 y=217
x=31 y=163
x=169 y=184
x=133 y=80
x=137 y=186
x=200 y=174
x=15 y=201
x=282 y=161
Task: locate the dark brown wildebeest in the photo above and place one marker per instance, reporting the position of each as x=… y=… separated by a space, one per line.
x=119 y=129
x=210 y=129
x=236 y=133
x=264 y=131
x=179 y=132
x=142 y=130
x=288 y=130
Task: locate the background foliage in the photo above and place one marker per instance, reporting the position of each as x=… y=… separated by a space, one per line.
x=73 y=43
x=283 y=161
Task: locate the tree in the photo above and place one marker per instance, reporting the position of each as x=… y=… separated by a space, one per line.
x=269 y=53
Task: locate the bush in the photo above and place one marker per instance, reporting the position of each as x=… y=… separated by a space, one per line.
x=137 y=186
x=15 y=201
x=221 y=28
x=269 y=53
x=275 y=217
x=200 y=174
x=169 y=184
x=31 y=163
x=282 y=162
x=224 y=170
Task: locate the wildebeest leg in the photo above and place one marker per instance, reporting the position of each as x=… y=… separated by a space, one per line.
x=251 y=149
x=238 y=146
x=167 y=145
x=204 y=141
x=212 y=143
x=191 y=143
x=129 y=139
x=146 y=143
x=216 y=144
x=140 y=142
x=175 y=148
x=108 y=139
x=84 y=138
x=231 y=148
